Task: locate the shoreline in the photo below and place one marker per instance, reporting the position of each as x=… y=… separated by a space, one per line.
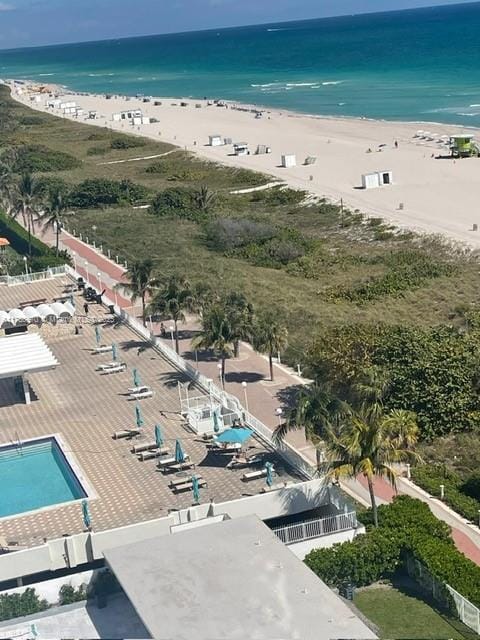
x=427 y=195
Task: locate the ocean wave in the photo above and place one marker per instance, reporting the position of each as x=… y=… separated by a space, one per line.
x=328 y=82
x=46 y=74
x=99 y=75
x=277 y=30
x=269 y=84
x=466 y=115
x=474 y=105
x=301 y=84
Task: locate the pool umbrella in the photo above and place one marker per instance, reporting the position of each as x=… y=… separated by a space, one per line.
x=72 y=301
x=269 y=470
x=195 y=489
x=137 y=382
x=216 y=422
x=114 y=352
x=179 y=455
x=138 y=416
x=87 y=521
x=158 y=436
x=98 y=335
x=235 y=436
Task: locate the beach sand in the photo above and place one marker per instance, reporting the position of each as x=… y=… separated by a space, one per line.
x=438 y=195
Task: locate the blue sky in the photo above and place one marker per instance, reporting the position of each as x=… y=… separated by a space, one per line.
x=37 y=22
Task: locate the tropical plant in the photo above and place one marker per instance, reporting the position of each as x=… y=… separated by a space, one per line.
x=53 y=213
x=139 y=282
x=240 y=315
x=203 y=199
x=7 y=179
x=27 y=198
x=216 y=334
x=174 y=296
x=270 y=337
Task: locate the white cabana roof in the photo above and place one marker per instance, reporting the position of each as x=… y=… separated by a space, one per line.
x=60 y=310
x=69 y=307
x=46 y=311
x=4 y=320
x=31 y=313
x=24 y=353
x=16 y=316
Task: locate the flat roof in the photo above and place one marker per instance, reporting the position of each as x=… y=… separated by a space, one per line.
x=229 y=580
x=24 y=353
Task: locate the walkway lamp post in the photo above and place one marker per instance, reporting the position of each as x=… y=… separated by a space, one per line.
x=278 y=413
x=244 y=385
x=99 y=276
x=442 y=491
x=409 y=472
x=25 y=262
x=172 y=329
x=86 y=272
x=94 y=228
x=220 y=375
x=74 y=258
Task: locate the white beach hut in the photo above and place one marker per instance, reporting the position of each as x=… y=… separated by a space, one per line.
x=116 y=117
x=61 y=311
x=17 y=317
x=32 y=315
x=46 y=313
x=289 y=160
x=241 y=149
x=377 y=179
x=5 y=322
x=215 y=140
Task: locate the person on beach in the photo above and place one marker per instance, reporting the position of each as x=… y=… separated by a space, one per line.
x=85 y=308
x=396 y=144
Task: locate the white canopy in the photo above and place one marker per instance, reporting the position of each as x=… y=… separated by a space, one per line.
x=60 y=310
x=24 y=353
x=46 y=312
x=5 y=322
x=32 y=314
x=17 y=317
x=69 y=307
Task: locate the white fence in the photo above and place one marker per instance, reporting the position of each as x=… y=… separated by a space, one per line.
x=316 y=528
x=34 y=277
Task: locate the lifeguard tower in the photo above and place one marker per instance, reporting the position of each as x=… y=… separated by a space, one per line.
x=464 y=146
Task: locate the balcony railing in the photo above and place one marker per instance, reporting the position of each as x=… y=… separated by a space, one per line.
x=316 y=528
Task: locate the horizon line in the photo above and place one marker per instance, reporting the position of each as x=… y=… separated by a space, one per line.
x=243 y=26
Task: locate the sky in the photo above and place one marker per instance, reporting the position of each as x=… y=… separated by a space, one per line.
x=38 y=22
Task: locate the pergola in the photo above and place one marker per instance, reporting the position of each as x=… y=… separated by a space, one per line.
x=23 y=354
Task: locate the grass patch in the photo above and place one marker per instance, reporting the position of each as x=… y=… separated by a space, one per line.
x=400 y=613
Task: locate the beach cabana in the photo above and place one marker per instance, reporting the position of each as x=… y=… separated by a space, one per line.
x=215 y=140
x=241 y=149
x=377 y=179
x=17 y=317
x=5 y=322
x=289 y=160
x=46 y=313
x=463 y=146
x=32 y=315
x=61 y=311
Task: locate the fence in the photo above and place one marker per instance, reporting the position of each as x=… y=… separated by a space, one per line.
x=34 y=277
x=445 y=595
x=316 y=528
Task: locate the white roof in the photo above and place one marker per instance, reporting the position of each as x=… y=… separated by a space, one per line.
x=60 y=310
x=17 y=316
x=31 y=312
x=44 y=310
x=24 y=353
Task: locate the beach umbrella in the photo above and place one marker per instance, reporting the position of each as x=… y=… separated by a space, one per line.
x=235 y=436
x=138 y=416
x=114 y=352
x=137 y=382
x=98 y=335
x=269 y=470
x=158 y=436
x=72 y=300
x=87 y=521
x=195 y=489
x=179 y=454
x=216 y=422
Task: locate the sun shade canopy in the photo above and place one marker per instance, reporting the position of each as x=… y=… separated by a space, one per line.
x=25 y=353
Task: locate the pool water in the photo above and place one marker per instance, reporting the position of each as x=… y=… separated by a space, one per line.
x=35 y=475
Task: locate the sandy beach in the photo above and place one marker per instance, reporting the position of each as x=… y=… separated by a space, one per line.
x=438 y=195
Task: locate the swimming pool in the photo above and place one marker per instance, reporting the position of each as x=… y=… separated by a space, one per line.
x=36 y=475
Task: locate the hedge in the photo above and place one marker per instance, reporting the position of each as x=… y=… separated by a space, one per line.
x=15 y=605
x=407 y=529
x=42 y=256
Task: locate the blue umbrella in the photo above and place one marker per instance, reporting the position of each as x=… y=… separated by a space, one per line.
x=138 y=416
x=216 y=422
x=87 y=521
x=158 y=436
x=72 y=301
x=114 y=352
x=195 y=489
x=98 y=335
x=179 y=455
x=234 y=436
x=137 y=382
x=269 y=470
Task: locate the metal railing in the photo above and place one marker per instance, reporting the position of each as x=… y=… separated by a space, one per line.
x=316 y=528
x=34 y=277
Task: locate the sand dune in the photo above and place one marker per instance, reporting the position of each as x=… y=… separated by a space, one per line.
x=438 y=195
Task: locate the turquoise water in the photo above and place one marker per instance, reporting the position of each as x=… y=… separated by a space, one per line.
x=416 y=65
x=34 y=476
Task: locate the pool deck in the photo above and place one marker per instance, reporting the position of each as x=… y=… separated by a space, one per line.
x=86 y=408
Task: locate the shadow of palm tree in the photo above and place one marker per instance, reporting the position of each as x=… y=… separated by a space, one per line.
x=288 y=396
x=172 y=378
x=243 y=376
x=201 y=356
x=140 y=345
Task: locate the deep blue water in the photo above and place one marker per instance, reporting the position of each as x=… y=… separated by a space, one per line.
x=35 y=476
x=420 y=64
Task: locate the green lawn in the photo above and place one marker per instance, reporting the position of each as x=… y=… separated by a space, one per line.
x=400 y=615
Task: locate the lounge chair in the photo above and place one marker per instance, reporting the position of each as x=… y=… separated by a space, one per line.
x=187 y=484
x=176 y=482
x=146 y=446
x=121 y=366
x=224 y=448
x=179 y=466
x=139 y=389
x=238 y=462
x=106 y=365
x=254 y=475
x=10 y=545
x=142 y=395
x=275 y=487
x=153 y=453
x=104 y=348
x=126 y=433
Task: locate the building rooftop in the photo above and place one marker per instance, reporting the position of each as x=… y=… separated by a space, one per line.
x=86 y=408
x=229 y=580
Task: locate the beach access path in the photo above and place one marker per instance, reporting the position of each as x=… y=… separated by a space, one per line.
x=428 y=194
x=261 y=397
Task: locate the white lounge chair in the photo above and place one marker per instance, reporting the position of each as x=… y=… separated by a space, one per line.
x=254 y=475
x=153 y=453
x=104 y=348
x=224 y=448
x=106 y=365
x=121 y=366
x=126 y=433
x=143 y=387
x=142 y=395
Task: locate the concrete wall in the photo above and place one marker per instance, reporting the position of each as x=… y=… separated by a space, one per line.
x=49 y=589
x=301 y=549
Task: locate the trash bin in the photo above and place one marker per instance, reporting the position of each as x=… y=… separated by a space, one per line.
x=111 y=309
x=347 y=590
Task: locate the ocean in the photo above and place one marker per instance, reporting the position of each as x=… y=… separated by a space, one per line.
x=415 y=65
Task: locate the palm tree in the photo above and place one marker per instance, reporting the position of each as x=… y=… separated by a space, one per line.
x=270 y=337
x=7 y=182
x=216 y=334
x=53 y=213
x=140 y=282
x=240 y=315
x=203 y=199
x=172 y=299
x=371 y=446
x=26 y=203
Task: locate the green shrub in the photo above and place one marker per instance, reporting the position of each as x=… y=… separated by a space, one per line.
x=28 y=121
x=15 y=605
x=175 y=202
x=96 y=151
x=471 y=486
x=279 y=196
x=97 y=192
x=127 y=142
x=225 y=234
x=37 y=158
x=18 y=238
x=68 y=594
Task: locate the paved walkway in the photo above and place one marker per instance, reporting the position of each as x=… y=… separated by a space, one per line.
x=261 y=396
